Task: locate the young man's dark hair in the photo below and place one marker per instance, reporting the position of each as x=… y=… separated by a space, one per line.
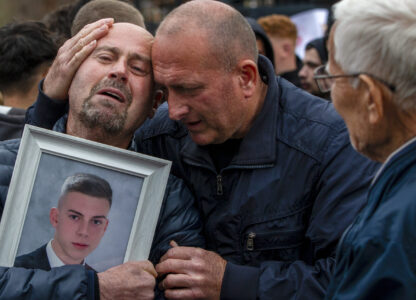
x=88 y=184
x=24 y=49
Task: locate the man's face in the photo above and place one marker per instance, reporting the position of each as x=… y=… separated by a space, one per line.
x=80 y=222
x=200 y=93
x=311 y=61
x=351 y=104
x=112 y=89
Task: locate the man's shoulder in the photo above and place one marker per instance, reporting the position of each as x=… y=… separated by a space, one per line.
x=309 y=123
x=33 y=259
x=8 y=151
x=160 y=125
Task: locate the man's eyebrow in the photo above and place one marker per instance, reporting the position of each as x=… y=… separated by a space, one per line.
x=114 y=50
x=80 y=214
x=137 y=56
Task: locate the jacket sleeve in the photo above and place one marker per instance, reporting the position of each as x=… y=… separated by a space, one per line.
x=45 y=111
x=340 y=193
x=381 y=270
x=179 y=220
x=68 y=282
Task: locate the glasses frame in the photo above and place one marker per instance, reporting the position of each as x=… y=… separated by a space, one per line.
x=317 y=79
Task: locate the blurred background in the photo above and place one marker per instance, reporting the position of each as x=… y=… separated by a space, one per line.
x=155 y=10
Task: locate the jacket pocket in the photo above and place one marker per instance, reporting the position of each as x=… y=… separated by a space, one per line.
x=282 y=245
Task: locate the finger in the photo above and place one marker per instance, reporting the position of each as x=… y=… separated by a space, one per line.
x=148 y=267
x=180 y=294
x=81 y=55
x=178 y=266
x=179 y=252
x=175 y=281
x=89 y=29
x=173 y=243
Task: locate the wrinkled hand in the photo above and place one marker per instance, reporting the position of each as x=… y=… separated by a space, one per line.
x=70 y=56
x=193 y=273
x=131 y=280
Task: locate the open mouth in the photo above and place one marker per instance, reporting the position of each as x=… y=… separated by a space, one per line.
x=113 y=93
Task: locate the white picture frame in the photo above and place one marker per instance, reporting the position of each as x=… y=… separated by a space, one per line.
x=41 y=151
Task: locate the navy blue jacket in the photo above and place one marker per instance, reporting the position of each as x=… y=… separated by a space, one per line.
x=179 y=220
x=278 y=210
x=376 y=258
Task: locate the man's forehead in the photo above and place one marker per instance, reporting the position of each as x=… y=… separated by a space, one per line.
x=130 y=36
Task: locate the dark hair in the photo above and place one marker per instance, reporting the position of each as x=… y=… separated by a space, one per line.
x=98 y=9
x=24 y=46
x=88 y=184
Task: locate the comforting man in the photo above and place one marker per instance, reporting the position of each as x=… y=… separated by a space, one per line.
x=375 y=92
x=80 y=221
x=111 y=92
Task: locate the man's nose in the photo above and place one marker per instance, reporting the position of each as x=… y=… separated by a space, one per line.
x=83 y=228
x=119 y=71
x=178 y=108
x=302 y=72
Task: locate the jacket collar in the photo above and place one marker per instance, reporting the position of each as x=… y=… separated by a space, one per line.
x=258 y=147
x=60 y=126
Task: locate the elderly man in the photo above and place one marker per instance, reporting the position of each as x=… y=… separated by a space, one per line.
x=275 y=177
x=375 y=92
x=111 y=93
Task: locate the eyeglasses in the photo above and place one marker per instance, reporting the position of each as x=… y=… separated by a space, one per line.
x=325 y=81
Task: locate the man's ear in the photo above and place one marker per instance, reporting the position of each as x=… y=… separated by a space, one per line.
x=374 y=97
x=158 y=99
x=247 y=76
x=53 y=216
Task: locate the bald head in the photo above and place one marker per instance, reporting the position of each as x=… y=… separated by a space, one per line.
x=227 y=33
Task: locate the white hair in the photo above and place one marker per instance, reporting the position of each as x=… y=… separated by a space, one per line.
x=379 y=37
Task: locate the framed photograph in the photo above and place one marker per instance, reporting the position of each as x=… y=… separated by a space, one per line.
x=46 y=162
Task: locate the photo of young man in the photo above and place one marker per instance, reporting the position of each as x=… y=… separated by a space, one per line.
x=80 y=221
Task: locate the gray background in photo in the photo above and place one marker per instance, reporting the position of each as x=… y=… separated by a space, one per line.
x=51 y=173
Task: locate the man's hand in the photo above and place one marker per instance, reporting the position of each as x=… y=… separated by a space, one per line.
x=70 y=56
x=193 y=273
x=131 y=280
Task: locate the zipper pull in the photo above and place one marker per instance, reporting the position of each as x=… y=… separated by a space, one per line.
x=219 y=185
x=250 y=241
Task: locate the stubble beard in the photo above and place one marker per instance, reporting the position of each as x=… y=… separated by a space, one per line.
x=111 y=122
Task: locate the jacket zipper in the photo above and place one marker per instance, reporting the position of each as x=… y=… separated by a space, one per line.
x=250 y=241
x=219 y=185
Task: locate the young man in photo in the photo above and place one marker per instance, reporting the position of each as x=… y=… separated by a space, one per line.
x=80 y=221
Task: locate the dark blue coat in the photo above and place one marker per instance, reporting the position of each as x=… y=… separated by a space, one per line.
x=278 y=210
x=376 y=258
x=179 y=220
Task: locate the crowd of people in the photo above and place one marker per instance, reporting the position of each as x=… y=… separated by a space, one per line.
x=290 y=179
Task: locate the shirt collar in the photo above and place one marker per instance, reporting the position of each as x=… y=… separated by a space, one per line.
x=54 y=260
x=391 y=157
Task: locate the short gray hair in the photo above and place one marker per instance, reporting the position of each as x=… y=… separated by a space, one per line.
x=228 y=33
x=379 y=37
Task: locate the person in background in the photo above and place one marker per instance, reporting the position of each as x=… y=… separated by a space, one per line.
x=26 y=53
x=316 y=55
x=372 y=59
x=282 y=33
x=263 y=43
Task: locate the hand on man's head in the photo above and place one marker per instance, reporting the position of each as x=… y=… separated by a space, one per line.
x=70 y=56
x=193 y=273
x=131 y=280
